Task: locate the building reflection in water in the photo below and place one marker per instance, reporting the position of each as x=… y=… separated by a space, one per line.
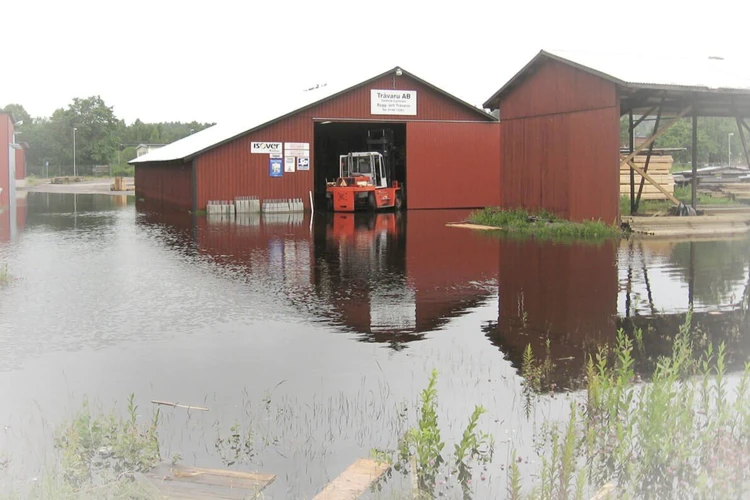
x=393 y=277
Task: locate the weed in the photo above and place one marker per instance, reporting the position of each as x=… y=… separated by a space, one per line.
x=543 y=224
x=4 y=275
x=420 y=450
x=96 y=447
x=682 y=435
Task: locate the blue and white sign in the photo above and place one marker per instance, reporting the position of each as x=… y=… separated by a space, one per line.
x=276 y=167
x=303 y=163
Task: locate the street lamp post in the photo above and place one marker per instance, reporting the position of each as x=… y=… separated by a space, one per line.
x=729 y=147
x=74 y=151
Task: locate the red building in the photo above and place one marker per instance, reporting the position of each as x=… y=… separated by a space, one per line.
x=560 y=119
x=8 y=155
x=447 y=151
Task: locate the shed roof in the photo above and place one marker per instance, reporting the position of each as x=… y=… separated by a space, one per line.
x=694 y=75
x=209 y=138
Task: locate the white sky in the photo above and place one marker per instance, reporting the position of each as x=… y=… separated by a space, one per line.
x=164 y=60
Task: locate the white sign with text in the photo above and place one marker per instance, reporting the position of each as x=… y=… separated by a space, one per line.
x=393 y=102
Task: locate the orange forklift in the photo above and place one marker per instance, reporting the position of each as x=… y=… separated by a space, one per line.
x=365 y=178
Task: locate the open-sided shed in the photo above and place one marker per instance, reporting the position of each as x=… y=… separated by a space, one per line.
x=446 y=151
x=560 y=121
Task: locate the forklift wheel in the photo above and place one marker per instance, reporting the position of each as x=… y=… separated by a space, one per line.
x=399 y=201
x=371 y=203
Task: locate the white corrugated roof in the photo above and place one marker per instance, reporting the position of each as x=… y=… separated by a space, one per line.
x=266 y=109
x=678 y=71
x=254 y=116
x=695 y=73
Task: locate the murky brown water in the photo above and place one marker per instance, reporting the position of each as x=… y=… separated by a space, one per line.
x=334 y=322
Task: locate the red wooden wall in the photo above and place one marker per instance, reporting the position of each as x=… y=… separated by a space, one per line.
x=170 y=184
x=20 y=164
x=6 y=137
x=231 y=170
x=560 y=144
x=452 y=165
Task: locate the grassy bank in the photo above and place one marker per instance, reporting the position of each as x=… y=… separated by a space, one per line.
x=542 y=224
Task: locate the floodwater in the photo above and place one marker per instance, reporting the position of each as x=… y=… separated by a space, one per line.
x=311 y=335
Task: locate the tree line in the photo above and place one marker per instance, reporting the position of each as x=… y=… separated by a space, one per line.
x=100 y=137
x=714 y=141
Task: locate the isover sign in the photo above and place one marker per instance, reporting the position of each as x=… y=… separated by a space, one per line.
x=393 y=102
x=265 y=147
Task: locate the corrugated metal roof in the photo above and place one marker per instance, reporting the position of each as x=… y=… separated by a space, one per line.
x=267 y=112
x=698 y=74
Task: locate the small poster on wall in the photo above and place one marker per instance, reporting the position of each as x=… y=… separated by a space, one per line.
x=289 y=162
x=275 y=167
x=303 y=163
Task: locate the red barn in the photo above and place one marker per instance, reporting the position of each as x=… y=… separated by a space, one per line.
x=447 y=151
x=560 y=120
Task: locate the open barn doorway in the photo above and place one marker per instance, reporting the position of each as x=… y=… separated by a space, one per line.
x=333 y=139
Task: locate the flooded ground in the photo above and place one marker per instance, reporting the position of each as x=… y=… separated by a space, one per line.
x=309 y=335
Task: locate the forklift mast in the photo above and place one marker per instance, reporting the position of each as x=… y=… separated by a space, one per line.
x=381 y=140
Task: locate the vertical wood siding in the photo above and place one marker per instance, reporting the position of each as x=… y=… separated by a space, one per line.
x=20 y=164
x=554 y=88
x=452 y=165
x=165 y=184
x=6 y=136
x=560 y=145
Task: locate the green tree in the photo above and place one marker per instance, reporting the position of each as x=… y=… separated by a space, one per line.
x=18 y=112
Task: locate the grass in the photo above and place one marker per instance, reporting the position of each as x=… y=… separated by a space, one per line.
x=542 y=224
x=682 y=193
x=683 y=434
x=4 y=275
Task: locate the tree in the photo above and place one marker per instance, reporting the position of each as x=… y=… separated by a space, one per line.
x=18 y=112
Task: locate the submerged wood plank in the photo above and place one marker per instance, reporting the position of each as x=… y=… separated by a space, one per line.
x=354 y=480
x=179 y=481
x=473 y=226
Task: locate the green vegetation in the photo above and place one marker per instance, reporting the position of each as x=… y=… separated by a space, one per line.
x=101 y=137
x=682 y=193
x=98 y=448
x=420 y=450
x=684 y=434
x=542 y=224
x=4 y=276
x=713 y=140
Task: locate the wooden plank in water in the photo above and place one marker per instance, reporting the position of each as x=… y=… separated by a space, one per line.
x=179 y=481
x=354 y=480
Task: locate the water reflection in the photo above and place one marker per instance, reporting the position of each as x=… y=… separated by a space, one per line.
x=577 y=296
x=372 y=275
x=388 y=278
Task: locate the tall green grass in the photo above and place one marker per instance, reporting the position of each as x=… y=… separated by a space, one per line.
x=542 y=224
x=683 y=434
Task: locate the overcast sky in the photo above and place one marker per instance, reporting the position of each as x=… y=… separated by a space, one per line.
x=163 y=60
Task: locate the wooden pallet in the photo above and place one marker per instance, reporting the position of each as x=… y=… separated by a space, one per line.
x=179 y=481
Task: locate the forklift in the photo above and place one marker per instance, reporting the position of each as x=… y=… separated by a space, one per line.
x=365 y=179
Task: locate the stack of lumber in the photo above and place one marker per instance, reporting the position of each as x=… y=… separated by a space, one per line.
x=658 y=168
x=705 y=225
x=122 y=184
x=737 y=190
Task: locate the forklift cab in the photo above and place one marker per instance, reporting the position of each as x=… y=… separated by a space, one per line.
x=369 y=165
